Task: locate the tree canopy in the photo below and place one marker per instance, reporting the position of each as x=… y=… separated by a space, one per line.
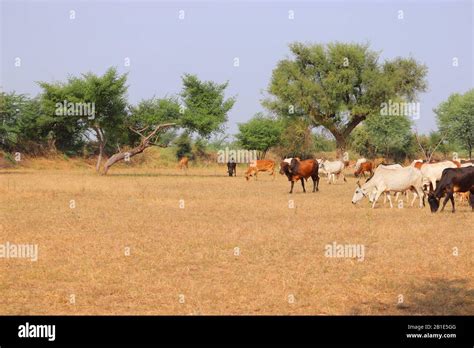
x=260 y=133
x=339 y=85
x=455 y=119
x=205 y=105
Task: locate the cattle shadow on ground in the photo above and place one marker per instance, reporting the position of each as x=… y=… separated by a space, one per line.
x=440 y=296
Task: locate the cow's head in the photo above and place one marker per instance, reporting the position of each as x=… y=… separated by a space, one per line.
x=294 y=165
x=433 y=201
x=248 y=173
x=283 y=167
x=359 y=193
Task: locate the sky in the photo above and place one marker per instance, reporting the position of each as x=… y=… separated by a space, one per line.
x=56 y=39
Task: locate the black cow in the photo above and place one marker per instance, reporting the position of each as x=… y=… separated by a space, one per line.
x=232 y=168
x=452 y=180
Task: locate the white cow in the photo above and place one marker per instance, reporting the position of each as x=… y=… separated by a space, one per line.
x=432 y=172
x=332 y=169
x=390 y=166
x=464 y=165
x=387 y=180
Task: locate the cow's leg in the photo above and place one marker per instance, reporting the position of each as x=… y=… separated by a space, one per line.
x=415 y=195
x=377 y=195
x=314 y=183
x=292 y=184
x=302 y=184
x=420 y=192
x=389 y=199
x=471 y=199
x=451 y=197
x=385 y=198
x=446 y=199
x=344 y=177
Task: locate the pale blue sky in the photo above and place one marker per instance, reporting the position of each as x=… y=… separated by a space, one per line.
x=161 y=47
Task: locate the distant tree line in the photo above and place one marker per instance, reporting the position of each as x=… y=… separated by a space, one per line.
x=324 y=98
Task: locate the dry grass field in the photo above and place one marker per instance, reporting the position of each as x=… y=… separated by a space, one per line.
x=129 y=248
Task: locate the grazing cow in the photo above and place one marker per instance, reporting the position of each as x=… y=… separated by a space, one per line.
x=364 y=167
x=452 y=180
x=386 y=180
x=333 y=169
x=301 y=170
x=183 y=163
x=260 y=166
x=387 y=166
x=432 y=172
x=232 y=168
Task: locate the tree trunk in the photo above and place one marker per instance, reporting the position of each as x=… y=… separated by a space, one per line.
x=145 y=142
x=341 y=145
x=121 y=155
x=102 y=141
x=101 y=154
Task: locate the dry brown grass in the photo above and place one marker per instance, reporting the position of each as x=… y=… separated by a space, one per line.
x=190 y=251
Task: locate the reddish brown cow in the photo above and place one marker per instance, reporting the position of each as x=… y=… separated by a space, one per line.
x=365 y=167
x=260 y=166
x=301 y=170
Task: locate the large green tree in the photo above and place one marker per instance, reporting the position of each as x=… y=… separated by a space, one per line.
x=260 y=134
x=339 y=85
x=107 y=94
x=455 y=119
x=206 y=107
x=201 y=108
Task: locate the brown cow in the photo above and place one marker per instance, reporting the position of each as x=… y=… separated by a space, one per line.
x=183 y=163
x=260 y=166
x=301 y=170
x=364 y=167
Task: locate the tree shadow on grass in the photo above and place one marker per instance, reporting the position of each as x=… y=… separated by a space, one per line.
x=440 y=296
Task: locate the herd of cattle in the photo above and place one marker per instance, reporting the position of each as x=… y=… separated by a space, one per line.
x=421 y=178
